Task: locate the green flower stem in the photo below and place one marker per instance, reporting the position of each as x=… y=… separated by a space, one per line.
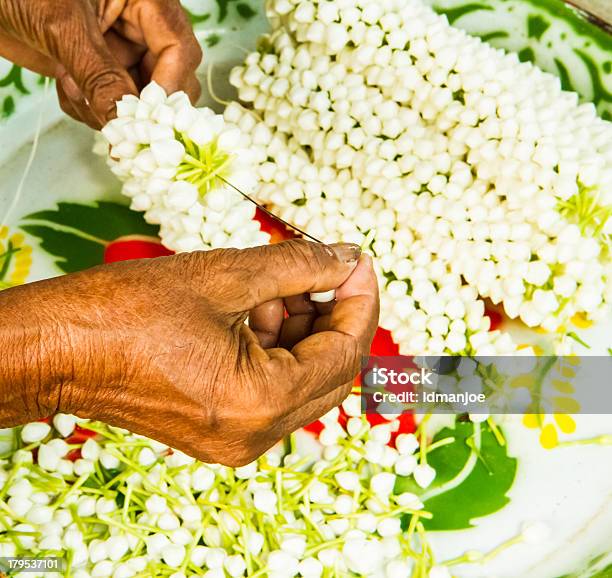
x=190 y=549
x=422 y=435
x=603 y=440
x=499 y=436
x=4 y=506
x=440 y=443
x=9 y=479
x=75 y=486
x=127 y=528
x=501 y=548
x=325 y=544
x=77 y=519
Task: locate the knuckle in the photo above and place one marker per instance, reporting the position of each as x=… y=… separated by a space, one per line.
x=303 y=256
x=100 y=82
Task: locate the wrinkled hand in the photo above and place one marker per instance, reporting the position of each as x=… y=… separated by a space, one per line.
x=161 y=347
x=100 y=50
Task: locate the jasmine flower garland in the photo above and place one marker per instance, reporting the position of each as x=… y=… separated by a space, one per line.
x=173 y=160
x=477 y=174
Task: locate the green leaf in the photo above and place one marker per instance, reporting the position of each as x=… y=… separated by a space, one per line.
x=102 y=220
x=599 y=567
x=245 y=11
x=223 y=9
x=74 y=253
x=14 y=78
x=213 y=40
x=8 y=106
x=196 y=18
x=78 y=234
x=605 y=573
x=474 y=473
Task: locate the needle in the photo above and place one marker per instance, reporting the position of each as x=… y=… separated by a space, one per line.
x=323 y=297
x=269 y=213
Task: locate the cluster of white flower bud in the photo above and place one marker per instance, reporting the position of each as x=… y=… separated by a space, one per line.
x=130 y=506
x=469 y=174
x=174 y=160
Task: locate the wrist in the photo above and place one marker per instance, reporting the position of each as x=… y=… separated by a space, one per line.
x=31 y=374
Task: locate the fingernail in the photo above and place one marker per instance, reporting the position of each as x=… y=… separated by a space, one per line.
x=346 y=252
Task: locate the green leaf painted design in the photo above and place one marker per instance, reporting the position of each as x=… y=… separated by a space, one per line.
x=474 y=473
x=14 y=78
x=6 y=258
x=223 y=9
x=197 y=18
x=599 y=567
x=74 y=252
x=78 y=234
x=104 y=220
x=455 y=13
x=245 y=10
x=8 y=106
x=549 y=33
x=605 y=573
x=212 y=40
x=536 y=26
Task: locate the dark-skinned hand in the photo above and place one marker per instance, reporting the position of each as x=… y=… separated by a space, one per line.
x=100 y=50
x=161 y=346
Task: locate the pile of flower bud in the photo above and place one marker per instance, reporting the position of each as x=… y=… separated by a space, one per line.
x=118 y=505
x=474 y=175
x=174 y=161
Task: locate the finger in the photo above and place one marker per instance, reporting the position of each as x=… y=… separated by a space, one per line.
x=357 y=304
x=325 y=308
x=74 y=104
x=25 y=56
x=87 y=60
x=193 y=88
x=321 y=324
x=295 y=328
x=168 y=35
x=299 y=305
x=266 y=321
x=298 y=326
x=333 y=357
x=66 y=104
x=283 y=270
x=190 y=84
x=127 y=53
x=108 y=12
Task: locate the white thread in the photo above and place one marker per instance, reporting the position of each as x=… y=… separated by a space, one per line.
x=213 y=95
x=26 y=172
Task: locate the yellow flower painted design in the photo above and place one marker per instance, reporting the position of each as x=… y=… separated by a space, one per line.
x=15 y=259
x=562 y=402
